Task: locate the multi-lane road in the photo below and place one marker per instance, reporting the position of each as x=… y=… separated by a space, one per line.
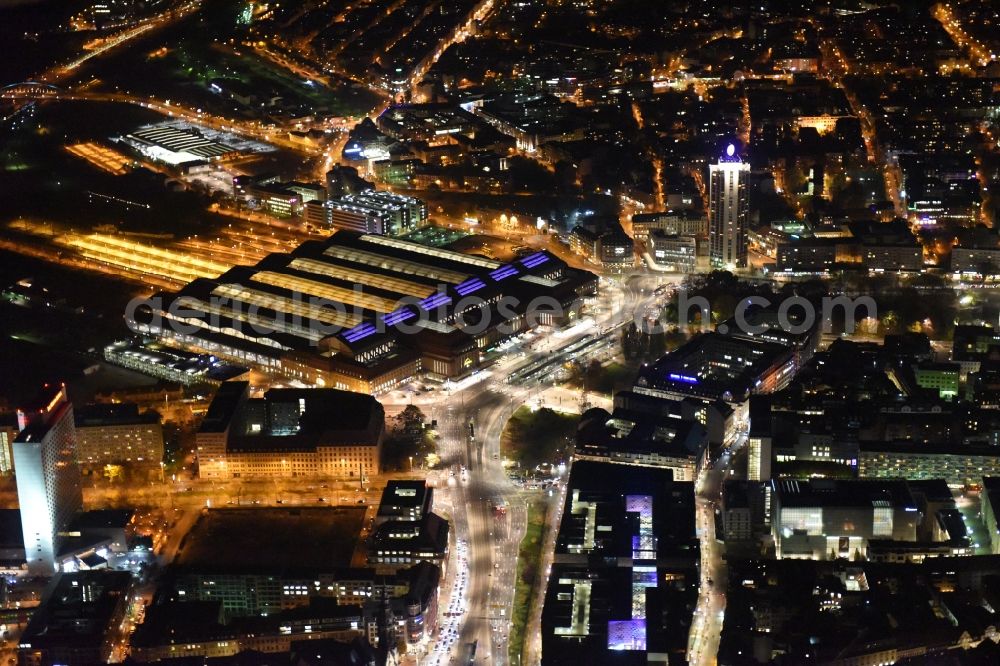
x=474 y=483
x=706 y=627
x=473 y=479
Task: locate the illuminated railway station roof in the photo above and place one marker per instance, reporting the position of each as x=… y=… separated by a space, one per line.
x=352 y=292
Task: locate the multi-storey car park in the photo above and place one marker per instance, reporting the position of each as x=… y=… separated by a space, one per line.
x=365 y=312
x=371 y=211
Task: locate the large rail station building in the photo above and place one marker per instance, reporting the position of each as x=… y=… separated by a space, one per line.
x=366 y=313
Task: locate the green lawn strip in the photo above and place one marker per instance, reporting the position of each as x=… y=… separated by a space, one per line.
x=528 y=557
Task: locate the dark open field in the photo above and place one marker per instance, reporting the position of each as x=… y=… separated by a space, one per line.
x=273 y=539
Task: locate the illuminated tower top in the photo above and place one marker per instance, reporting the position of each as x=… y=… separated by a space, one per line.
x=731 y=155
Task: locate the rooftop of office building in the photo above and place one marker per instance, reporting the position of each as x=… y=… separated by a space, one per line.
x=402 y=493
x=842 y=493
x=766 y=324
x=179 y=622
x=112 y=414
x=605 y=503
x=932 y=490
x=428 y=535
x=636 y=431
x=38 y=415
x=853 y=612
x=77 y=610
x=713 y=365
x=224 y=406
x=623 y=578
x=294 y=419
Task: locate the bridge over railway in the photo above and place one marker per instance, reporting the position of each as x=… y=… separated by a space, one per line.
x=30 y=90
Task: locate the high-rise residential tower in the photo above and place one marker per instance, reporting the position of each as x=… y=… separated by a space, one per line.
x=48 y=476
x=728 y=211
